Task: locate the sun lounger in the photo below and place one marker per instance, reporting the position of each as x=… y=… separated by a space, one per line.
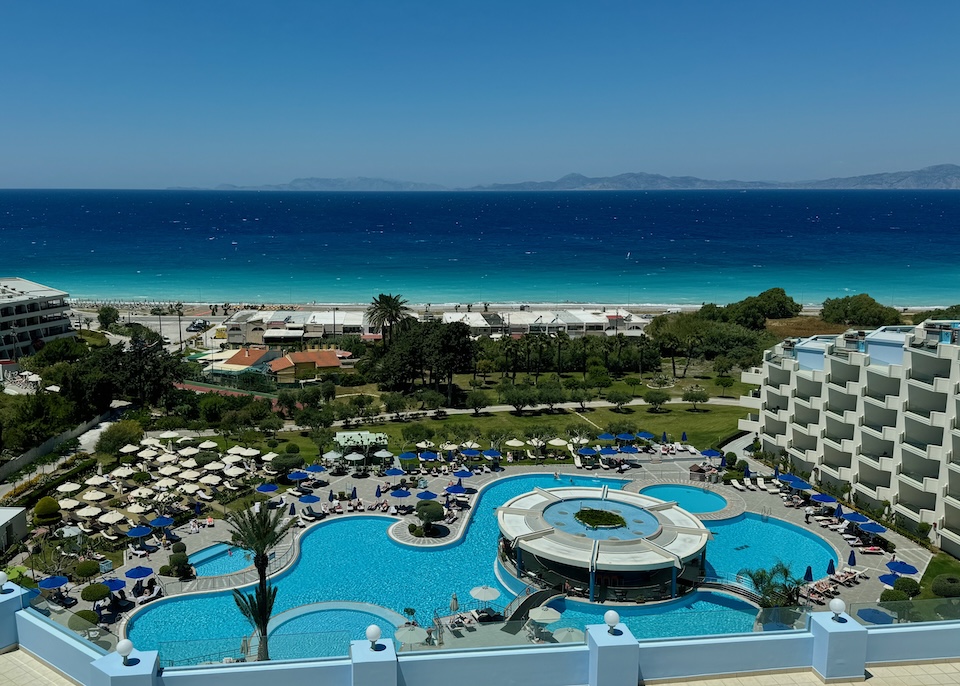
x=577 y=462
x=203 y=495
x=308 y=514
x=860 y=573
x=749 y=485
x=737 y=485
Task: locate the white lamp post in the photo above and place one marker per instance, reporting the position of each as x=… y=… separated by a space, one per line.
x=3 y=582
x=373 y=635
x=837 y=607
x=124 y=648
x=611 y=618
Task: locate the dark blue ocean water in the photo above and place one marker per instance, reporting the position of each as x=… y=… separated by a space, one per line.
x=902 y=247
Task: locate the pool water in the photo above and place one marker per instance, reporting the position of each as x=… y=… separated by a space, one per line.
x=219 y=559
x=639 y=522
x=354 y=559
x=690 y=498
x=311 y=634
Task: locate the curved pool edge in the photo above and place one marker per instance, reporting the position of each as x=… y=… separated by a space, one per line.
x=386 y=614
x=735 y=504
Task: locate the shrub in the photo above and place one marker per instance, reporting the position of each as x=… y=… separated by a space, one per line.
x=893 y=595
x=273 y=443
x=946 y=586
x=118 y=435
x=287 y=462
x=178 y=547
x=86 y=569
x=411 y=527
x=140 y=477
x=180 y=565
x=164 y=570
x=907 y=585
x=292 y=449
x=81 y=620
x=95 y=592
x=46 y=511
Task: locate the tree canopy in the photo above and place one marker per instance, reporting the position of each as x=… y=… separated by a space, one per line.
x=858 y=310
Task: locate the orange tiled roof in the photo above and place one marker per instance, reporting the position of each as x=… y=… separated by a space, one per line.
x=247 y=357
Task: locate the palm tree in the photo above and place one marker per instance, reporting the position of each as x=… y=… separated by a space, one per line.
x=387 y=311
x=777 y=587
x=258 y=531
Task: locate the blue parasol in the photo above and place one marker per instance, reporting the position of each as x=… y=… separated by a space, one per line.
x=52 y=582
x=776 y=471
x=353 y=493
x=309 y=499
x=710 y=452
x=626 y=437
x=456 y=489
x=683 y=437
x=426 y=495
x=822 y=498
x=663 y=439
x=297 y=476
x=394 y=471
x=400 y=493
x=293 y=509
x=808 y=575
x=629 y=449
x=606 y=437
x=800 y=485
x=470 y=452
x=197 y=508
x=873 y=528
x=746 y=472
x=609 y=451
x=378 y=492
x=463 y=473
x=587 y=451
x=161 y=522
x=872 y=615
x=831 y=568
x=645 y=435
x=430 y=456
x=267 y=488
x=330 y=498
x=901 y=567
x=838 y=513
x=114 y=584
x=888 y=579
x=492 y=454
x=138 y=573
x=852 y=560
x=856 y=518
x=723 y=461
x=316 y=468
x=407 y=456
x=139 y=531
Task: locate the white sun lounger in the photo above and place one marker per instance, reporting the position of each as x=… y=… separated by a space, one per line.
x=749 y=485
x=737 y=485
x=577 y=462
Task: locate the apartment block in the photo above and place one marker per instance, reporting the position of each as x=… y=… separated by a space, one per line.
x=30 y=314
x=874 y=409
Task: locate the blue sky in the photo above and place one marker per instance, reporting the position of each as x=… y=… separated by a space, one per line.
x=112 y=94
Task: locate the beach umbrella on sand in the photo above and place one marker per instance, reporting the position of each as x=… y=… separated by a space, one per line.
x=454 y=603
x=831 y=569
x=808 y=575
x=484 y=593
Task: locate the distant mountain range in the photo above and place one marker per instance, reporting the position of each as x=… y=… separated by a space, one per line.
x=939 y=177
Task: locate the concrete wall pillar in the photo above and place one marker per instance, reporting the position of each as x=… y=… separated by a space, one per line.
x=141 y=669
x=614 y=657
x=12 y=599
x=839 y=647
x=374 y=667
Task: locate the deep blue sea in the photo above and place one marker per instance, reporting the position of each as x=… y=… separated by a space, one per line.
x=678 y=247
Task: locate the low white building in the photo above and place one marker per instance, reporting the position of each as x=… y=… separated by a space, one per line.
x=878 y=410
x=13 y=526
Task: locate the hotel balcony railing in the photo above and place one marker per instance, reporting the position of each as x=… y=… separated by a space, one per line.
x=888 y=402
x=923 y=482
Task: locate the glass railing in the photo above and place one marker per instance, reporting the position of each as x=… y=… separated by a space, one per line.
x=781 y=619
x=905 y=611
x=233 y=649
x=64 y=612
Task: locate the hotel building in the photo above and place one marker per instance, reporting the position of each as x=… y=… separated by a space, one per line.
x=878 y=410
x=29 y=313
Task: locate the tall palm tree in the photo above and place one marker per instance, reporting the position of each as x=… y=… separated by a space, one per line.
x=386 y=312
x=259 y=532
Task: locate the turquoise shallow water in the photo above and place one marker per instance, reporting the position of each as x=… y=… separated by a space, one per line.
x=220 y=559
x=683 y=247
x=691 y=499
x=353 y=559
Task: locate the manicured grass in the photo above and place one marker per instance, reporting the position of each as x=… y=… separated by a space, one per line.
x=940 y=564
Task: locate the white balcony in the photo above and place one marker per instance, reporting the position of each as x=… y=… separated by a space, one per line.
x=887 y=402
x=887 y=433
x=815 y=375
x=848 y=387
x=927 y=452
x=926 y=484
x=951 y=534
x=936 y=384
x=953 y=501
x=750 y=402
x=810 y=456
x=884 y=464
x=812 y=402
x=781 y=415
x=890 y=371
x=875 y=491
x=844 y=445
x=750 y=423
x=839 y=473
x=845 y=416
x=922 y=416
x=812 y=429
x=918 y=515
x=752 y=376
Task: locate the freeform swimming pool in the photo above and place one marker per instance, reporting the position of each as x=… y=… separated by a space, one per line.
x=219 y=559
x=354 y=559
x=690 y=498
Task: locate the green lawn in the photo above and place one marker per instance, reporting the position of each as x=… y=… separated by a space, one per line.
x=940 y=564
x=703 y=428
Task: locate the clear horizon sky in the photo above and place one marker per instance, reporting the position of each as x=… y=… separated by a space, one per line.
x=114 y=94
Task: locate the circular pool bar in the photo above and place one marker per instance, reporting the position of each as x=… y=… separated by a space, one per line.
x=655 y=550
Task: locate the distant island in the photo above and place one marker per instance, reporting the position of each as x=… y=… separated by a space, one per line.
x=938 y=177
